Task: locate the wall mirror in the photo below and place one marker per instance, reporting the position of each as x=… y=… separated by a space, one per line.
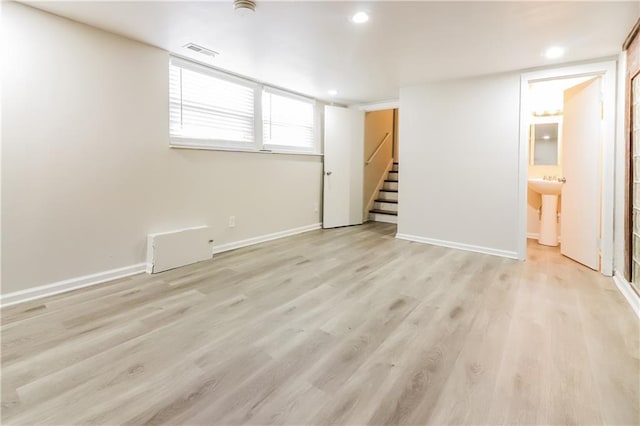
x=543 y=143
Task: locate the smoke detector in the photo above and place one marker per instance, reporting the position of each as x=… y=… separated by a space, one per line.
x=244 y=6
x=202 y=50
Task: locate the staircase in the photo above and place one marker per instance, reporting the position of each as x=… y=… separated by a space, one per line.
x=385 y=207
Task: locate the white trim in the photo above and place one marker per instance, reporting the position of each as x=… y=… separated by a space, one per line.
x=264 y=238
x=70 y=284
x=523 y=170
x=625 y=288
x=621 y=160
x=205 y=147
x=460 y=246
x=378 y=106
x=606 y=69
x=369 y=204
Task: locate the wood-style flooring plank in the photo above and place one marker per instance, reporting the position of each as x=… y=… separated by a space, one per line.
x=344 y=326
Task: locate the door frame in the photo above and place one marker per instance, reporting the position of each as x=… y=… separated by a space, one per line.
x=606 y=70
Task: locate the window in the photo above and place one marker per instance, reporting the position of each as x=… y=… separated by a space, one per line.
x=287 y=122
x=211 y=109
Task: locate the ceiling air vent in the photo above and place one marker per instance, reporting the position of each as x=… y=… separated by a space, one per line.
x=201 y=50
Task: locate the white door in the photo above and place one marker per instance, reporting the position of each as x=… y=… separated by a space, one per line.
x=343 y=166
x=581 y=147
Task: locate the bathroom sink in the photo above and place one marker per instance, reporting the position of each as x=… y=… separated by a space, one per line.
x=549 y=190
x=546 y=187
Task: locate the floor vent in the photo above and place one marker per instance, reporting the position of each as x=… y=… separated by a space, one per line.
x=168 y=250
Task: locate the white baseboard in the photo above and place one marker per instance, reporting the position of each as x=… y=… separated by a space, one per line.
x=459 y=246
x=101 y=277
x=625 y=288
x=264 y=238
x=70 y=284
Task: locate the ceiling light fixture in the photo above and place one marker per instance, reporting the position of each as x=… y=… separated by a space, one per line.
x=244 y=7
x=333 y=92
x=554 y=52
x=360 y=18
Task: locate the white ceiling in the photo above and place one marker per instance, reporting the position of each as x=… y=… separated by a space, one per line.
x=311 y=47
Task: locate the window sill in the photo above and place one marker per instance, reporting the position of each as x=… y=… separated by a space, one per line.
x=237 y=149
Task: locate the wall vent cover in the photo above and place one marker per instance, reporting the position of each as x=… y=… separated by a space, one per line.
x=202 y=50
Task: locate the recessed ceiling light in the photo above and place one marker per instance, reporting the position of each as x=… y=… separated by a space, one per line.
x=554 y=52
x=546 y=137
x=360 y=18
x=333 y=92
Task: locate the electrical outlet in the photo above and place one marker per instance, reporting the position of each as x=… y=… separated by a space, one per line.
x=232 y=221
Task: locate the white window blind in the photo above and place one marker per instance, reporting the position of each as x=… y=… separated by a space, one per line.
x=210 y=108
x=287 y=122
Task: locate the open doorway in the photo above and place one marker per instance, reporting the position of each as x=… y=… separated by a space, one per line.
x=360 y=165
x=564 y=166
x=381 y=166
x=566 y=162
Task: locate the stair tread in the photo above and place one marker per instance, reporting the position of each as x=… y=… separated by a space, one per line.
x=386 y=201
x=391 y=180
x=388 y=190
x=381 y=211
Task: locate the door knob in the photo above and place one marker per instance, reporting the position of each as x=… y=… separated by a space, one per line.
x=328 y=173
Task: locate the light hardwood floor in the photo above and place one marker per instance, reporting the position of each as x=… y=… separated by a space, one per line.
x=344 y=326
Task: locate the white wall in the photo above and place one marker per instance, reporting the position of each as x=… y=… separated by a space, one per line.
x=86 y=168
x=459 y=174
